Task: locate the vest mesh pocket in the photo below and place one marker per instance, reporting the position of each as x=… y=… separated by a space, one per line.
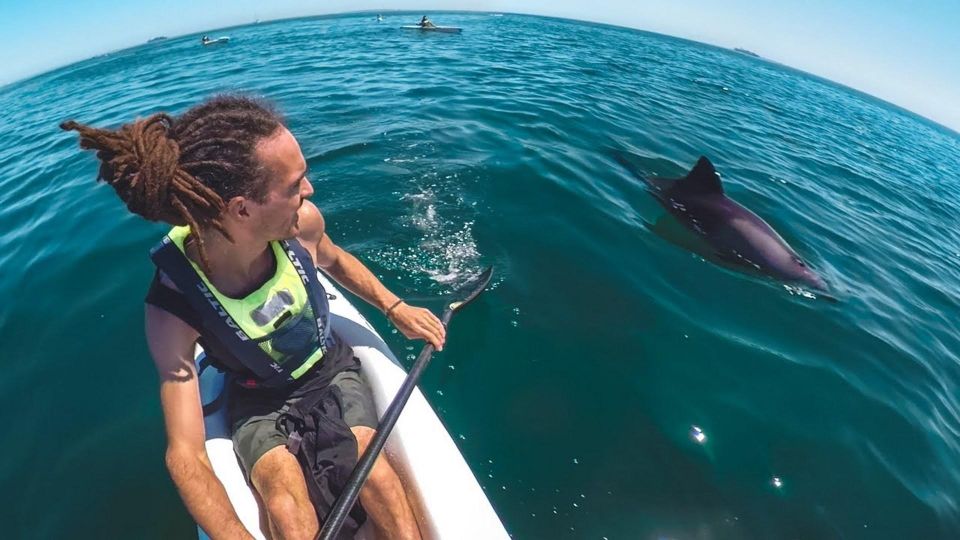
x=295 y=339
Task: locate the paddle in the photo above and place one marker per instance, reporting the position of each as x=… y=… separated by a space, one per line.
x=348 y=497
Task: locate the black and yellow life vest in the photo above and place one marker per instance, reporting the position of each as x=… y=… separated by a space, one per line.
x=279 y=331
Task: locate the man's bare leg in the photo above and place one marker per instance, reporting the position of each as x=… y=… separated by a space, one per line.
x=383 y=496
x=279 y=480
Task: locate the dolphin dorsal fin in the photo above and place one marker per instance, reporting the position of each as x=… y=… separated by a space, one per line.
x=702 y=180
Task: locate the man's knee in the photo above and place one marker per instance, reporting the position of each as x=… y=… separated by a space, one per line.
x=279 y=480
x=281 y=503
x=382 y=473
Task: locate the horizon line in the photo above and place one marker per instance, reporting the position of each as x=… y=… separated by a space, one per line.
x=953 y=131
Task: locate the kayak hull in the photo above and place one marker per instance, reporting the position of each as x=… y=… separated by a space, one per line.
x=440 y=29
x=450 y=501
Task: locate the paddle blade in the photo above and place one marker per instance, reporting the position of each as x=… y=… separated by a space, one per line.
x=471 y=290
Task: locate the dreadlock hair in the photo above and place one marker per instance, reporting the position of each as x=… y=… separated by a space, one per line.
x=182 y=171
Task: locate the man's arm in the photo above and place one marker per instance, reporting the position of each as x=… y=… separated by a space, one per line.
x=414 y=322
x=171 y=343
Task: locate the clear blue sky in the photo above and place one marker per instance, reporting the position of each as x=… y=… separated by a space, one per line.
x=906 y=52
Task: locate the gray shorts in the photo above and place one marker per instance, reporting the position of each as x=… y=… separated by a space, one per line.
x=255 y=415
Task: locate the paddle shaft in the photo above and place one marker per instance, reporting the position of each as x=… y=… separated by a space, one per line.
x=348 y=497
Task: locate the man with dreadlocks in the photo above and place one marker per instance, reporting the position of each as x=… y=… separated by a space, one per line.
x=231 y=180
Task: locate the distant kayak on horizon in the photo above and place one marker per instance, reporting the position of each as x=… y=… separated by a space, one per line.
x=442 y=29
x=205 y=40
x=427 y=25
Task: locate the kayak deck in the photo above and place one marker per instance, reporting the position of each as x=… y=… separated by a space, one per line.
x=450 y=502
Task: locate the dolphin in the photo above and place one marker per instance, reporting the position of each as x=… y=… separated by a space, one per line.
x=738 y=237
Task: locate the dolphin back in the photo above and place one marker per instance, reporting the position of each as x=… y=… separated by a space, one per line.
x=700 y=181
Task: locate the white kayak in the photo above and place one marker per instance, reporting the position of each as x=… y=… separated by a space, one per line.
x=223 y=39
x=444 y=29
x=452 y=503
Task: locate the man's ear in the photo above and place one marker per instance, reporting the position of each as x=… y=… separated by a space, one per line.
x=237 y=208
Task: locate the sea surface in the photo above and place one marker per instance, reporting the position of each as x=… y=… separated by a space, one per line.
x=574 y=386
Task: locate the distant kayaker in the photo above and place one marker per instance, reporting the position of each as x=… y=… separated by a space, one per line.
x=426 y=23
x=233 y=275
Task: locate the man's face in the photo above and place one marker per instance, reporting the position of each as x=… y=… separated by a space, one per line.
x=287 y=188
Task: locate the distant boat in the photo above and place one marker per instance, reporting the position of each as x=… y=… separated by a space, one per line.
x=746 y=52
x=207 y=41
x=158 y=38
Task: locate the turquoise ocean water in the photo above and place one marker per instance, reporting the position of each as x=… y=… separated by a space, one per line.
x=572 y=386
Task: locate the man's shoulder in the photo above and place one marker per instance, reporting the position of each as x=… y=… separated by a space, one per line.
x=312 y=225
x=164 y=303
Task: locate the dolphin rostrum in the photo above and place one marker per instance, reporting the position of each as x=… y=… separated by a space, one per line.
x=737 y=236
